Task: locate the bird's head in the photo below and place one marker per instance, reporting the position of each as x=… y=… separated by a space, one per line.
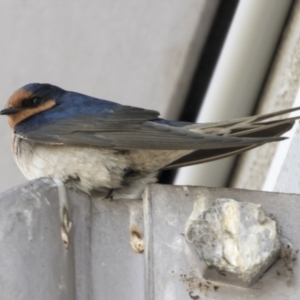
x=29 y=100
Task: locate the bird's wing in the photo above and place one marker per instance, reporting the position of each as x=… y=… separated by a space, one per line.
x=248 y=127
x=132 y=128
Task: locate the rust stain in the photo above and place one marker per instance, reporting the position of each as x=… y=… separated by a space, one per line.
x=136 y=239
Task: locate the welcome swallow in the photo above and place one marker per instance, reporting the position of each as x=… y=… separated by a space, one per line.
x=98 y=145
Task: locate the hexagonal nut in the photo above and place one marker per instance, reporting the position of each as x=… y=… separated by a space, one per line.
x=236 y=241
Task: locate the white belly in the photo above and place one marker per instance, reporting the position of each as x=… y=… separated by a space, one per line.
x=91 y=168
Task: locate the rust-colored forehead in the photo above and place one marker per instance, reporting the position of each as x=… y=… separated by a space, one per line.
x=17 y=97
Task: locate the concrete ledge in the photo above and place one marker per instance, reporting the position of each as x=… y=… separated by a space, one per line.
x=98 y=262
x=34 y=261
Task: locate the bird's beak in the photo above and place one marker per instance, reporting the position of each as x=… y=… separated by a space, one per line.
x=10 y=110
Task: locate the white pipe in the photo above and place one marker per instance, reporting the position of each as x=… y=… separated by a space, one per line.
x=281 y=153
x=238 y=77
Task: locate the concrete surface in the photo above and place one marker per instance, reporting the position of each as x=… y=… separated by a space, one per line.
x=172 y=272
x=98 y=264
x=135 y=52
x=34 y=262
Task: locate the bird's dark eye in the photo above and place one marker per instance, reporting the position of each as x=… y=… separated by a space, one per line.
x=35 y=101
x=32 y=102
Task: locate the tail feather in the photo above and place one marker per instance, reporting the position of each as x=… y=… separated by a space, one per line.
x=251 y=120
x=249 y=127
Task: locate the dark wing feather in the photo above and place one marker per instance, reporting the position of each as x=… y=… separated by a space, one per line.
x=131 y=128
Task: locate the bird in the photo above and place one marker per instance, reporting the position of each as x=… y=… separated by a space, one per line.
x=100 y=146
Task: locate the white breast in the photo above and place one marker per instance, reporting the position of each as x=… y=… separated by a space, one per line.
x=96 y=168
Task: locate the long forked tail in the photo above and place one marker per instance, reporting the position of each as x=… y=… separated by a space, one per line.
x=245 y=127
